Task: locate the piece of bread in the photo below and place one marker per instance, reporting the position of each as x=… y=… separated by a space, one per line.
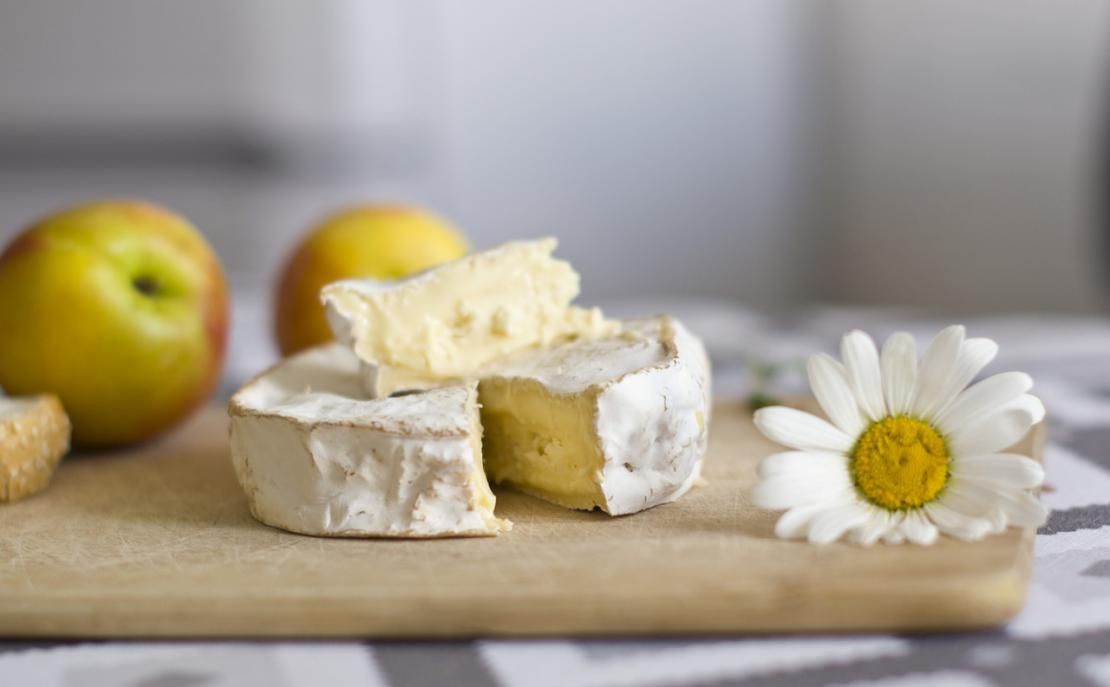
x=34 y=435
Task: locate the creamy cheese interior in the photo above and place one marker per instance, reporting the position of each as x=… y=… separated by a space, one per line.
x=540 y=413
x=542 y=443
x=447 y=322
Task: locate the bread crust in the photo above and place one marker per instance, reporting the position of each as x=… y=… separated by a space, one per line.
x=34 y=436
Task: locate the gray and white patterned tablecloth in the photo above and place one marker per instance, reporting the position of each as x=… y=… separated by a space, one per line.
x=1061 y=638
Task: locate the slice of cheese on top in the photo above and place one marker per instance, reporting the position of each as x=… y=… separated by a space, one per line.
x=620 y=424
x=315 y=455
x=447 y=322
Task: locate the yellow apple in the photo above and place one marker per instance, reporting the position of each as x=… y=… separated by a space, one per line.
x=383 y=242
x=121 y=309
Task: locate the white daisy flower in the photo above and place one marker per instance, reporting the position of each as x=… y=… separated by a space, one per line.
x=909 y=449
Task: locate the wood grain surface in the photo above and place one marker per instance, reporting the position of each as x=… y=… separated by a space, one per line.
x=158 y=541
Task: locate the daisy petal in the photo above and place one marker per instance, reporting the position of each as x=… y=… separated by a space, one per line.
x=803 y=462
x=833 y=523
x=998 y=520
x=994 y=433
x=969 y=500
x=1002 y=505
x=794 y=523
x=861 y=359
x=894 y=534
x=787 y=491
x=878 y=524
x=918 y=530
x=982 y=399
x=936 y=368
x=1009 y=469
x=956 y=524
x=1031 y=404
x=975 y=354
x=1023 y=509
x=829 y=385
x=797 y=429
x=898 y=363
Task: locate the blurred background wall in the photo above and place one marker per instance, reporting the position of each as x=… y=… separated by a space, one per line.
x=964 y=147
x=940 y=154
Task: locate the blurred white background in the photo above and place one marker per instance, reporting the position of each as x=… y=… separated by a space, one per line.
x=941 y=154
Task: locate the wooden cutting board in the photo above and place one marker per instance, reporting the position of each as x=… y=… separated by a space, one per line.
x=158 y=541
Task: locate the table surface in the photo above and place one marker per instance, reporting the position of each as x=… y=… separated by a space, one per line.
x=1061 y=638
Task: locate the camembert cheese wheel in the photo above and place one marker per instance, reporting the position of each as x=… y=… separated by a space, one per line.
x=618 y=423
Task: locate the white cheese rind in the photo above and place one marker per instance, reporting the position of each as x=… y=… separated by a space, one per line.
x=315 y=456
x=653 y=425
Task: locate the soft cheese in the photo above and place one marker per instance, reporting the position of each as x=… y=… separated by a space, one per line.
x=315 y=455
x=447 y=322
x=619 y=423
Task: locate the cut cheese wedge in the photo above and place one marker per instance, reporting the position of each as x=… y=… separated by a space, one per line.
x=34 y=436
x=445 y=323
x=316 y=456
x=619 y=423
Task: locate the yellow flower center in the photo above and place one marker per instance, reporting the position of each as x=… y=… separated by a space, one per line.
x=900 y=463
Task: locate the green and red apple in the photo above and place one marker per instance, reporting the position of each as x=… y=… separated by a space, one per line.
x=121 y=309
x=383 y=242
